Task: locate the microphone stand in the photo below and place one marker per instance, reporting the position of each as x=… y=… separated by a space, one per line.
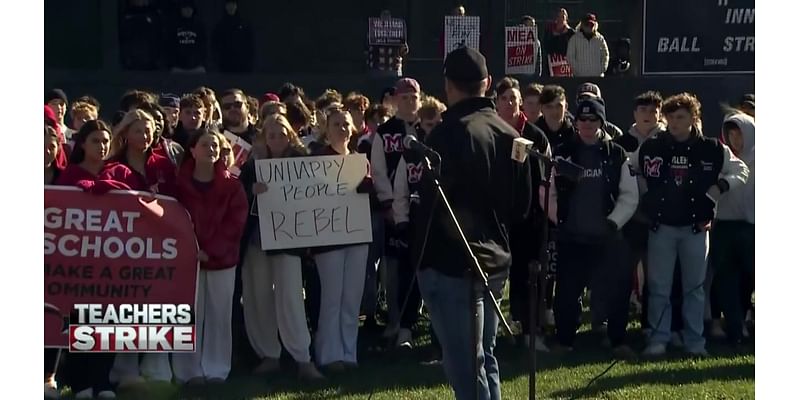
x=536 y=279
x=476 y=268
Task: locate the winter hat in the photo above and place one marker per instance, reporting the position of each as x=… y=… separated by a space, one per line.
x=169 y=100
x=465 y=64
x=55 y=94
x=406 y=85
x=594 y=107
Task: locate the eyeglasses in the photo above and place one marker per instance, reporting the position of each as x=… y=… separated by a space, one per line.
x=588 y=118
x=235 y=104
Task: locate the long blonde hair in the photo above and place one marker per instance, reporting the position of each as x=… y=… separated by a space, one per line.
x=277 y=118
x=118 y=142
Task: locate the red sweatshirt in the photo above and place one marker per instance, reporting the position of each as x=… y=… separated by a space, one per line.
x=75 y=175
x=161 y=176
x=50 y=119
x=219 y=211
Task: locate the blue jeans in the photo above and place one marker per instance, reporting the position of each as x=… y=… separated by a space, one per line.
x=449 y=302
x=691 y=248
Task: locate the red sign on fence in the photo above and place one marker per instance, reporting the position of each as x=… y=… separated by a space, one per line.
x=121 y=247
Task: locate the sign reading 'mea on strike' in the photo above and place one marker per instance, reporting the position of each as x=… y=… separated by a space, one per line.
x=690 y=37
x=120 y=248
x=312 y=202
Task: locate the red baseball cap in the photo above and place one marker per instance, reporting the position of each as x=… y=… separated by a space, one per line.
x=406 y=85
x=269 y=96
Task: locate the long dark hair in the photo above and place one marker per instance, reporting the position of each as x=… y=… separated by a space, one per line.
x=77 y=155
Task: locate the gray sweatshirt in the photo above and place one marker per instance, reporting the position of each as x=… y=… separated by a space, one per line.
x=739 y=203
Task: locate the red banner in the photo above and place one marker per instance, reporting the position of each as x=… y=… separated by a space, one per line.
x=119 y=247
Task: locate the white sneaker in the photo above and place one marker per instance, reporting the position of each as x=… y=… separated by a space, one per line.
x=107 y=394
x=85 y=394
x=549 y=317
x=404 y=338
x=654 y=350
x=716 y=330
x=538 y=344
x=675 y=340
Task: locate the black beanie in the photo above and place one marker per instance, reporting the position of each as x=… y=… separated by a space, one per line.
x=55 y=94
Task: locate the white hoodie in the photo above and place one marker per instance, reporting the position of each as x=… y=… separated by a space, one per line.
x=739 y=204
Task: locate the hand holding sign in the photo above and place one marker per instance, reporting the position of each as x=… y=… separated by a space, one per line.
x=259 y=188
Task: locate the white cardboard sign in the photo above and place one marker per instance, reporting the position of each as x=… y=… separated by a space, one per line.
x=312 y=201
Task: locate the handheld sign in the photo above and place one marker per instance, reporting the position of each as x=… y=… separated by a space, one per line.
x=312 y=201
x=521 y=57
x=117 y=248
x=461 y=32
x=241 y=151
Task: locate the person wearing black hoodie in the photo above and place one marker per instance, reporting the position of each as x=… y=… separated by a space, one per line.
x=526 y=240
x=558 y=128
x=140 y=36
x=187 y=41
x=233 y=41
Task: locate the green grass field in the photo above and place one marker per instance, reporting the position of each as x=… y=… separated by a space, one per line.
x=390 y=376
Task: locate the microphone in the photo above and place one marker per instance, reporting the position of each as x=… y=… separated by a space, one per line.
x=523 y=147
x=412 y=143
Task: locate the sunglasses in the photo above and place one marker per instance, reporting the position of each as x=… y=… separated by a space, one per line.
x=588 y=118
x=235 y=104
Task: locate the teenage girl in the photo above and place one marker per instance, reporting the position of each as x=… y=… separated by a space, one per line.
x=341 y=268
x=218 y=206
x=272 y=280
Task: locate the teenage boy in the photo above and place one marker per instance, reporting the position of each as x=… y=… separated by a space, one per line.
x=685 y=174
x=590 y=213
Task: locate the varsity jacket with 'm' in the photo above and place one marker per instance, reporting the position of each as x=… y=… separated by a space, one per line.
x=680 y=175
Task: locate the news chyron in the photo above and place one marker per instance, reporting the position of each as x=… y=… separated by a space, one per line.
x=132 y=328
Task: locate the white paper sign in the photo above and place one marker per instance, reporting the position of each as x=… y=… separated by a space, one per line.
x=312 y=201
x=461 y=31
x=521 y=57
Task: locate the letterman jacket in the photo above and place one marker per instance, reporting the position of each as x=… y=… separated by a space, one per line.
x=709 y=163
x=622 y=193
x=387 y=149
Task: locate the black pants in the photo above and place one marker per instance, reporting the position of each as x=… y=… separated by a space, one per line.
x=407 y=284
x=520 y=284
x=89 y=370
x=733 y=258
x=578 y=264
x=636 y=235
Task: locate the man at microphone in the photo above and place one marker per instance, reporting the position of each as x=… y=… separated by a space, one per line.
x=488 y=191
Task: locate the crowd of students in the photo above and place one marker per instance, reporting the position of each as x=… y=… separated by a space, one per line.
x=648 y=196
